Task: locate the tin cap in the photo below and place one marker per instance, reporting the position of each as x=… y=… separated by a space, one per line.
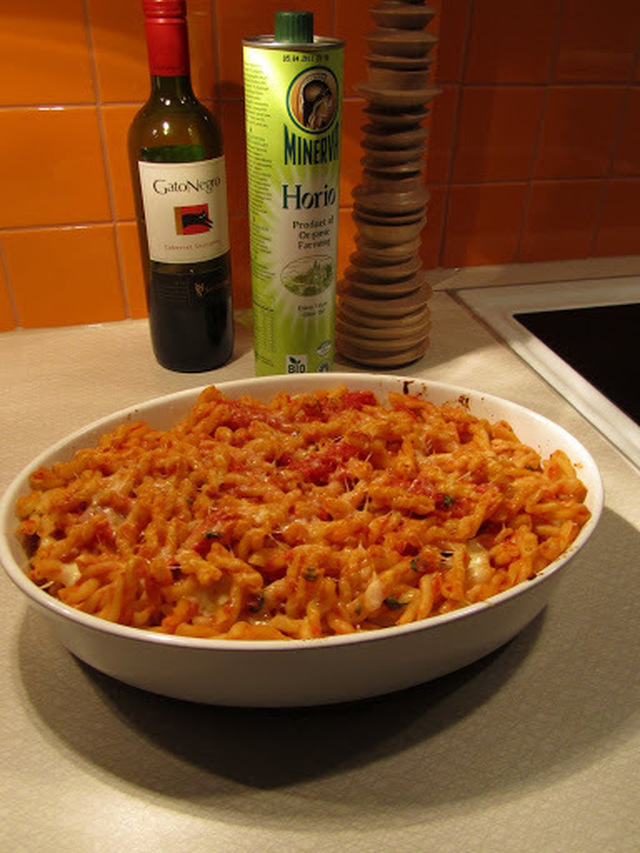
x=294 y=27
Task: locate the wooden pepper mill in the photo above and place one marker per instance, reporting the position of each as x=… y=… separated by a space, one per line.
x=383 y=318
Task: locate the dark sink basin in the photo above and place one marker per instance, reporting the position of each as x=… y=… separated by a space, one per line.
x=581 y=337
x=601 y=343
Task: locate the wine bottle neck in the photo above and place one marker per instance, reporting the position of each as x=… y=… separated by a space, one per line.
x=171 y=89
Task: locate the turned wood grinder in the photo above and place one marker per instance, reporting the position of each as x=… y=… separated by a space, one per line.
x=383 y=318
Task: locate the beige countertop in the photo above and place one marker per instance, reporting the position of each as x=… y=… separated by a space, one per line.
x=535 y=748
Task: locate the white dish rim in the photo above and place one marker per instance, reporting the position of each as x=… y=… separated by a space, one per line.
x=88 y=621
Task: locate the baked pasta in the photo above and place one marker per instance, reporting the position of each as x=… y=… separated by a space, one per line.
x=306 y=516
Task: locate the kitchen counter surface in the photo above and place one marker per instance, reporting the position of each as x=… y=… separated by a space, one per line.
x=535 y=748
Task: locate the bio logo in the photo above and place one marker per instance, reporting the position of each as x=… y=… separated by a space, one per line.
x=296 y=364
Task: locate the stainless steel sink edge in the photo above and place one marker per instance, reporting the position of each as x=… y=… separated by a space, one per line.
x=496 y=306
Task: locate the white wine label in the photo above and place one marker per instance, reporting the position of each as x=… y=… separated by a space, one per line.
x=185 y=208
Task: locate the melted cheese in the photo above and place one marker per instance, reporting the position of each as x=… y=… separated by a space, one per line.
x=479 y=567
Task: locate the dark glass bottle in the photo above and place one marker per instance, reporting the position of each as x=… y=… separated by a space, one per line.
x=179 y=182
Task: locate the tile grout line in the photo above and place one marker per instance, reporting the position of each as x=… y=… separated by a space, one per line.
x=609 y=175
x=454 y=133
x=608 y=84
x=53 y=226
x=535 y=154
x=591 y=84
x=12 y=297
x=214 y=30
x=105 y=156
x=62 y=226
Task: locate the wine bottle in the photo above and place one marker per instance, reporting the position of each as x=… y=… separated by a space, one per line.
x=179 y=183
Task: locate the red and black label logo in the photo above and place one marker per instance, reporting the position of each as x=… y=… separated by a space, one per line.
x=193 y=219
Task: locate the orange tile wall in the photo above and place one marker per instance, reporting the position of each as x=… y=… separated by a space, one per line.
x=533 y=153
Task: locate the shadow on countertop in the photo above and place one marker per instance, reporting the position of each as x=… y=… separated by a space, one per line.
x=541 y=706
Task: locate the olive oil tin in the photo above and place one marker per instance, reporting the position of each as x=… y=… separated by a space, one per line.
x=293 y=102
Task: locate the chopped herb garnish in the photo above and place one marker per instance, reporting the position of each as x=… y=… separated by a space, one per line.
x=212 y=534
x=416 y=564
x=310 y=574
x=448 y=501
x=256 y=603
x=393 y=603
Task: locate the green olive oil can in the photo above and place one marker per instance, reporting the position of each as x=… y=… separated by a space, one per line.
x=293 y=99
